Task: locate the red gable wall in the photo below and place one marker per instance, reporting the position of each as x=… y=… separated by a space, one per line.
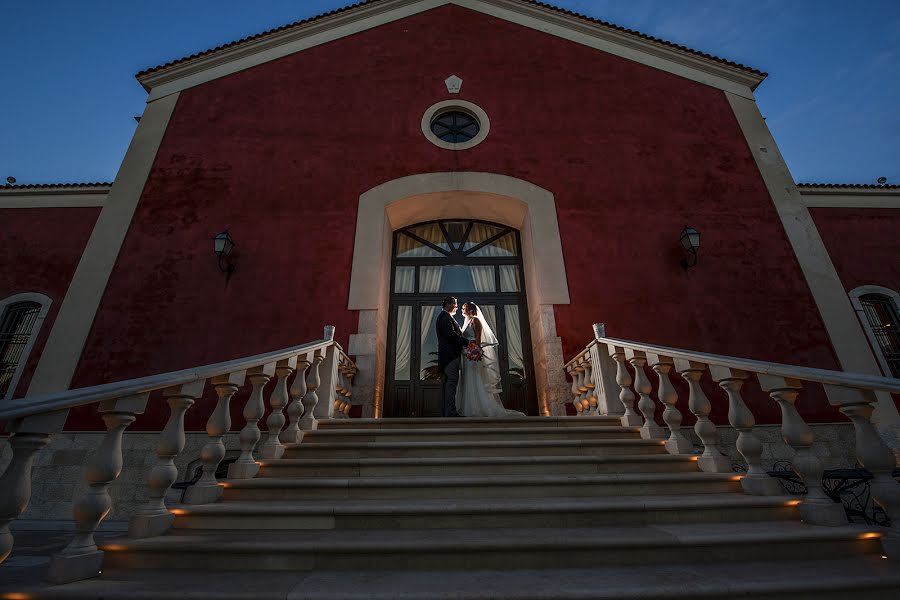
x=41 y=249
x=280 y=153
x=864 y=244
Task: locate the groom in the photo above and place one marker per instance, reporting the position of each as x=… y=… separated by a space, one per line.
x=450 y=345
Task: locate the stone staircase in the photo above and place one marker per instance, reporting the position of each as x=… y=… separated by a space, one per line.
x=529 y=508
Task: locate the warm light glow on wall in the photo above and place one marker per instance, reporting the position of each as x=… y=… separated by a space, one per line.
x=178 y=511
x=112 y=547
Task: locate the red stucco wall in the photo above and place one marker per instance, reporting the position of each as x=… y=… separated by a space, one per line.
x=864 y=244
x=280 y=153
x=41 y=249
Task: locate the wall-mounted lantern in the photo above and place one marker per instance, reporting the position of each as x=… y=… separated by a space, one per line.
x=690 y=241
x=222 y=247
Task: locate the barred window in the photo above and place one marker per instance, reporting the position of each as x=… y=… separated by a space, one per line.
x=16 y=326
x=881 y=314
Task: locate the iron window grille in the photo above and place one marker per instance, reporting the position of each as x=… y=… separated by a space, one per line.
x=881 y=313
x=16 y=326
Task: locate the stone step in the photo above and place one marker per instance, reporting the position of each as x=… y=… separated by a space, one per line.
x=483 y=486
x=474 y=448
x=464 y=549
x=478 y=465
x=485 y=513
x=863 y=577
x=475 y=434
x=470 y=422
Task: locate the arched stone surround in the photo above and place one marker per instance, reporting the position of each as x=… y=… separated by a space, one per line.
x=461 y=195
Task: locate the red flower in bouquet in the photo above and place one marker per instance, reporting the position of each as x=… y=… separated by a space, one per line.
x=474 y=352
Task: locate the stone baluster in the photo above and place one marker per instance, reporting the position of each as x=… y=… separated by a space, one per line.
x=590 y=387
x=581 y=402
x=272 y=447
x=348 y=385
x=15 y=483
x=605 y=388
x=650 y=430
x=678 y=443
x=207 y=489
x=246 y=467
x=341 y=400
x=308 y=421
x=756 y=481
x=292 y=434
x=815 y=508
x=570 y=369
x=876 y=456
x=713 y=460
x=623 y=380
x=154 y=518
x=81 y=559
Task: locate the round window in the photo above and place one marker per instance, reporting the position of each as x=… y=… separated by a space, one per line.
x=455 y=127
x=455 y=124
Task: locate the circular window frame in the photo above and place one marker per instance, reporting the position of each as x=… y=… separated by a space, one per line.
x=445 y=106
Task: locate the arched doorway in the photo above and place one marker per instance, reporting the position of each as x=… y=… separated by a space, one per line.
x=475 y=261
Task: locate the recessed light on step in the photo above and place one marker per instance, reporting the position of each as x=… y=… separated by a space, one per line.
x=792 y=503
x=869 y=535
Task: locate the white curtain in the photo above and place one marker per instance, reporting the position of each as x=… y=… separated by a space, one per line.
x=410 y=248
x=514 y=337
x=430 y=279
x=509 y=278
x=404 y=324
x=428 y=330
x=404 y=280
x=483 y=278
x=490 y=315
x=505 y=246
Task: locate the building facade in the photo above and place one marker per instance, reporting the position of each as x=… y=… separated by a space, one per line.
x=371 y=160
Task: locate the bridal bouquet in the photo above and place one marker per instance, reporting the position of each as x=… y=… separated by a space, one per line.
x=475 y=352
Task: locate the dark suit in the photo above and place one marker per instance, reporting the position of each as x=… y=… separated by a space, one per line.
x=450 y=345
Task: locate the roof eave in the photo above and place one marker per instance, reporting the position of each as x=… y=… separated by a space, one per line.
x=738 y=74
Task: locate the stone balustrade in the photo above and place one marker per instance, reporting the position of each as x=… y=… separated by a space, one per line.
x=343 y=388
x=35 y=419
x=604 y=361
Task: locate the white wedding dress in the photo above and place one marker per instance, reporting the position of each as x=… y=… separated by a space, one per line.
x=478 y=393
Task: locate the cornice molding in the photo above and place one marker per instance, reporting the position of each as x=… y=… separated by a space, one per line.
x=56 y=196
x=255 y=51
x=849 y=190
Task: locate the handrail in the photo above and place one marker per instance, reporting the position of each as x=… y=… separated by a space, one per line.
x=823 y=376
x=56 y=401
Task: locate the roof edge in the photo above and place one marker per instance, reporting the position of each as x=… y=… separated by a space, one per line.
x=847 y=188
x=57 y=188
x=232 y=51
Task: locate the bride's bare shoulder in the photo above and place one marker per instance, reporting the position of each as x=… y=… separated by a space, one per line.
x=476 y=322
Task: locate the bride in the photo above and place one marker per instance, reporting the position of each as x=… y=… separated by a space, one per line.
x=478 y=394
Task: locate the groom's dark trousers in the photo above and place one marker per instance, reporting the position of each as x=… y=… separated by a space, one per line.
x=450 y=345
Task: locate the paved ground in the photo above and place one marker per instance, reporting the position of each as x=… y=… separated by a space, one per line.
x=35 y=543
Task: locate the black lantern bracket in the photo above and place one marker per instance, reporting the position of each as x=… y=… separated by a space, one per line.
x=222 y=246
x=690 y=241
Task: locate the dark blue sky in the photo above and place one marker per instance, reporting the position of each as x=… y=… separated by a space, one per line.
x=68 y=94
